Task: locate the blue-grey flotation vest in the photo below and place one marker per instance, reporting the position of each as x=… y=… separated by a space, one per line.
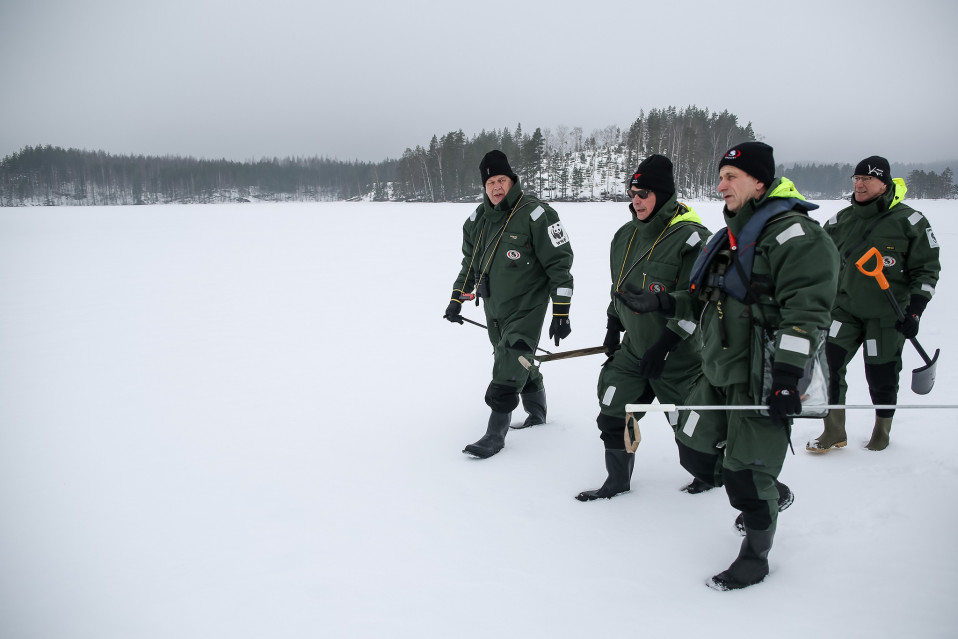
x=711 y=277
x=735 y=277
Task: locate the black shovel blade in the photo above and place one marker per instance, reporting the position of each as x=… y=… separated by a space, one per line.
x=923 y=379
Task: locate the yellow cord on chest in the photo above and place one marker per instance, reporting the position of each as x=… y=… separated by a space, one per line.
x=648 y=256
x=492 y=253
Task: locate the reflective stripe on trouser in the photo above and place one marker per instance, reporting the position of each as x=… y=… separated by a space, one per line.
x=620 y=384
x=882 y=354
x=746 y=447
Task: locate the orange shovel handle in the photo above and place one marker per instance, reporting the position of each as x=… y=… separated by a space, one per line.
x=877 y=271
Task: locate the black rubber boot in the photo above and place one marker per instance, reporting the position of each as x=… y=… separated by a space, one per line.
x=619 y=464
x=751 y=565
x=494 y=439
x=535 y=405
x=697 y=486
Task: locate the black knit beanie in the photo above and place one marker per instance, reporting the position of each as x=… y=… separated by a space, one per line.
x=495 y=163
x=654 y=173
x=875 y=166
x=755 y=158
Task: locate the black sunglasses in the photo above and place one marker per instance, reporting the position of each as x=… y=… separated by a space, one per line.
x=641 y=193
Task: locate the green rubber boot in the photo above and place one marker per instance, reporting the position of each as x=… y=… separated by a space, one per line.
x=880 y=433
x=834 y=435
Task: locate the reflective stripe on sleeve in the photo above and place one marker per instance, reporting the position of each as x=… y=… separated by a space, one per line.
x=794 y=344
x=795 y=230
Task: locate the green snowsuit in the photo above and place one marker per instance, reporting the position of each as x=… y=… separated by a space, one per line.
x=862 y=313
x=654 y=255
x=794 y=277
x=518 y=255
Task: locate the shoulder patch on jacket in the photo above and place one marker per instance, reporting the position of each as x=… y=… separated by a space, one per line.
x=795 y=230
x=472 y=218
x=693 y=239
x=932 y=240
x=558 y=235
x=536 y=213
x=915 y=218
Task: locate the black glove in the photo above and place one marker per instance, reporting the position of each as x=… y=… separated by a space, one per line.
x=560 y=327
x=641 y=301
x=909 y=325
x=653 y=361
x=454 y=310
x=784 y=399
x=613 y=335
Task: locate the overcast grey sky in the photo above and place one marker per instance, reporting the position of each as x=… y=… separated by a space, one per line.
x=826 y=81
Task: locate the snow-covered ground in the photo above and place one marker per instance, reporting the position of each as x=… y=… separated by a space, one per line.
x=246 y=421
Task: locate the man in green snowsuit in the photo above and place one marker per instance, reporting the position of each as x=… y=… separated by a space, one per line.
x=876 y=218
x=517 y=256
x=772 y=281
x=657 y=358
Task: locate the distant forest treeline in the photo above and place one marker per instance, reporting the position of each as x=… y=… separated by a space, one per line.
x=561 y=164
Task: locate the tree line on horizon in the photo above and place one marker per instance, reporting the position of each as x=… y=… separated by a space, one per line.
x=50 y=175
x=560 y=164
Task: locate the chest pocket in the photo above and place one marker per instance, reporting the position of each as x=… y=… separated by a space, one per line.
x=762 y=287
x=515 y=239
x=656 y=276
x=516 y=249
x=762 y=284
x=893 y=255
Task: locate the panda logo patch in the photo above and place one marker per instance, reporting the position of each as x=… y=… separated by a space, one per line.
x=656 y=287
x=889 y=261
x=558 y=235
x=513 y=255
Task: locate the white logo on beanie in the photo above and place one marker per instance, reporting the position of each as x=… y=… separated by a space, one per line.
x=874 y=169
